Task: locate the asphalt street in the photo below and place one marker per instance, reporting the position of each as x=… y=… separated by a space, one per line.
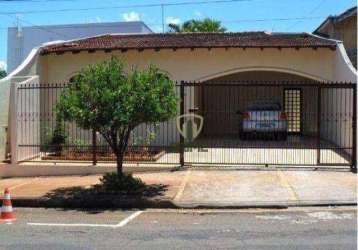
x=304 y=228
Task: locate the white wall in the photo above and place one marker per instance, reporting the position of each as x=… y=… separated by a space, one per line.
x=30 y=67
x=343 y=67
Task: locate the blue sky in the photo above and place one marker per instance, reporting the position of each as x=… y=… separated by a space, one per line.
x=236 y=16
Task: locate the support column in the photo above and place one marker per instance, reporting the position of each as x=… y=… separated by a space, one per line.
x=354 y=130
x=181 y=150
x=319 y=125
x=94 y=147
x=13 y=122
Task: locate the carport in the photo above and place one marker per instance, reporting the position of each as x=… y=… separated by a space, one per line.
x=319 y=117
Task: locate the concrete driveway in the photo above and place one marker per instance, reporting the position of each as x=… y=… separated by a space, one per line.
x=271 y=188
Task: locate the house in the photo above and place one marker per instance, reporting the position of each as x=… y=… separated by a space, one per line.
x=21 y=40
x=342 y=27
x=217 y=74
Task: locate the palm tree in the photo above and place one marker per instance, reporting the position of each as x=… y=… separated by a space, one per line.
x=205 y=25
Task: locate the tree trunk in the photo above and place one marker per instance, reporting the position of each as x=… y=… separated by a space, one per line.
x=120 y=156
x=119 y=148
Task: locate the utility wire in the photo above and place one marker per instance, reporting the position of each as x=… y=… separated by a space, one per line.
x=278 y=19
x=37 y=26
x=126 y=6
x=114 y=24
x=162 y=5
x=310 y=12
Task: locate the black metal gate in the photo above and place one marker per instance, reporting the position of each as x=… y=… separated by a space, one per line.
x=319 y=117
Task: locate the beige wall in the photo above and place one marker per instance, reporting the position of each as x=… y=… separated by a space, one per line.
x=201 y=64
x=261 y=76
x=221 y=64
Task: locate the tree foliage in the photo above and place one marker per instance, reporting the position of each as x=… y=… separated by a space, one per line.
x=2 y=73
x=205 y=25
x=106 y=98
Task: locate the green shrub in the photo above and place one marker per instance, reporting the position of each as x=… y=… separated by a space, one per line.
x=123 y=183
x=59 y=137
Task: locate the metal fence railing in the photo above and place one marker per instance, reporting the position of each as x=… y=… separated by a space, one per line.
x=37 y=127
x=320 y=119
x=273 y=123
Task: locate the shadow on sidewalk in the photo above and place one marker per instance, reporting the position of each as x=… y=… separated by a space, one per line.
x=93 y=200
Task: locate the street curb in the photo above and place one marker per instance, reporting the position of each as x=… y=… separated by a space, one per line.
x=97 y=202
x=265 y=206
x=111 y=202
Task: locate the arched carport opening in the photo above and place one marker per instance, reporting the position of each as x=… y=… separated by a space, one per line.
x=318 y=116
x=223 y=99
x=261 y=73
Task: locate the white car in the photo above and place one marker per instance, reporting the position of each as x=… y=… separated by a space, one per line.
x=264 y=118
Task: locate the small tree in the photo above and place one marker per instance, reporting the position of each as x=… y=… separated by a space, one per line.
x=105 y=98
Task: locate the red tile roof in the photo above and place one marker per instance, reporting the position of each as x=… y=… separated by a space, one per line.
x=193 y=40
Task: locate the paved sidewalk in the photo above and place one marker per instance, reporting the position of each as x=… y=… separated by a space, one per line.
x=267 y=188
x=212 y=188
x=40 y=186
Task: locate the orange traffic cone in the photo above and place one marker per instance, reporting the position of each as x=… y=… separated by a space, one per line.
x=7 y=213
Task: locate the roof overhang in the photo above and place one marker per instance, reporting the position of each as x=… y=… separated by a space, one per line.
x=157 y=42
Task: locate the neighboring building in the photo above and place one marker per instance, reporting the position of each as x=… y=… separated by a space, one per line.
x=342 y=27
x=21 y=40
x=231 y=71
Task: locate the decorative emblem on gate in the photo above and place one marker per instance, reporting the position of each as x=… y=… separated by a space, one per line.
x=191 y=126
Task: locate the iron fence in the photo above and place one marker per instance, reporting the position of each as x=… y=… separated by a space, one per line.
x=272 y=123
x=313 y=123
x=148 y=143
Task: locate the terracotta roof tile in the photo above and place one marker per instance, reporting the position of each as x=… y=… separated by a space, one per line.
x=192 y=40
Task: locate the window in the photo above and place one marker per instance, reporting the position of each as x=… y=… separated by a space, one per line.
x=293 y=109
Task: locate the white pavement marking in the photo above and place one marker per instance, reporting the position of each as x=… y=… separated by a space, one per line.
x=70 y=225
x=273 y=217
x=120 y=224
x=128 y=219
x=330 y=216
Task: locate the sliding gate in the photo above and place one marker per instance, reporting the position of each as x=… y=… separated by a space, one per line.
x=271 y=123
